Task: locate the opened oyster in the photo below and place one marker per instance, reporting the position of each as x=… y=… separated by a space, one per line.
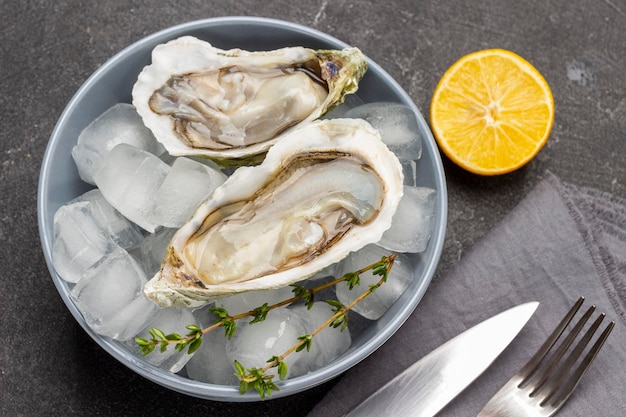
x=324 y=190
x=231 y=105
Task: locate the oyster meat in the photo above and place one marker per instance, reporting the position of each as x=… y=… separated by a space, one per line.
x=325 y=189
x=231 y=105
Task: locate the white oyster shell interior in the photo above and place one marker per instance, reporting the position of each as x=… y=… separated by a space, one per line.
x=230 y=105
x=326 y=189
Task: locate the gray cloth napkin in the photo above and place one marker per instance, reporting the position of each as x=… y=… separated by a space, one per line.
x=559 y=243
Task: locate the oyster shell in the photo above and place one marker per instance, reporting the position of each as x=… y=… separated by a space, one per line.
x=230 y=105
x=324 y=190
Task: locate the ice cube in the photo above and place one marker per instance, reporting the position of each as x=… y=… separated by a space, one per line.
x=119 y=124
x=351 y=101
x=129 y=180
x=187 y=184
x=210 y=363
x=412 y=223
x=377 y=303
x=153 y=248
x=79 y=240
x=397 y=125
x=329 y=271
x=169 y=320
x=323 y=277
x=123 y=232
x=110 y=297
x=249 y=300
x=167 y=158
x=253 y=344
x=327 y=345
x=409 y=169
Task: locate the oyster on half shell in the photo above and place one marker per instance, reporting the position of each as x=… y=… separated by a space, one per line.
x=324 y=190
x=231 y=105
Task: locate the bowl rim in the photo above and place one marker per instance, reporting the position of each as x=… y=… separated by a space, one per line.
x=229 y=393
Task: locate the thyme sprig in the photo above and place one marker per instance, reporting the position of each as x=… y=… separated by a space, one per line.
x=258 y=378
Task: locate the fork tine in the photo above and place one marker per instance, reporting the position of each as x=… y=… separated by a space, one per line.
x=564 y=372
x=527 y=370
x=541 y=377
x=559 y=375
x=572 y=383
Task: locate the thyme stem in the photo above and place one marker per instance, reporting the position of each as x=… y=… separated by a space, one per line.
x=257 y=378
x=331 y=319
x=193 y=335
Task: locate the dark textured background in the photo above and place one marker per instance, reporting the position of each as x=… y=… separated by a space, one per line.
x=48 y=365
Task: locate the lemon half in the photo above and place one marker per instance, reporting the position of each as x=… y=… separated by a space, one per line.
x=492 y=112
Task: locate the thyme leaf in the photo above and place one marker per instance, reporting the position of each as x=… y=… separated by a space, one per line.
x=257 y=378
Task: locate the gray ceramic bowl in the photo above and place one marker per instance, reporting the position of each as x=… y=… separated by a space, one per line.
x=112 y=83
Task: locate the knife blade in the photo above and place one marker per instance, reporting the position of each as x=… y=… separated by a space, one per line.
x=432 y=382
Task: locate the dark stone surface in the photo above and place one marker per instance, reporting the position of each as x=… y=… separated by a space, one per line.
x=49 y=366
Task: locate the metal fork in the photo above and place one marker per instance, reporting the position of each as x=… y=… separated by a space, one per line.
x=543 y=385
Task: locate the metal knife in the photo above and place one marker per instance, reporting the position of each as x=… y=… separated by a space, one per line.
x=429 y=384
